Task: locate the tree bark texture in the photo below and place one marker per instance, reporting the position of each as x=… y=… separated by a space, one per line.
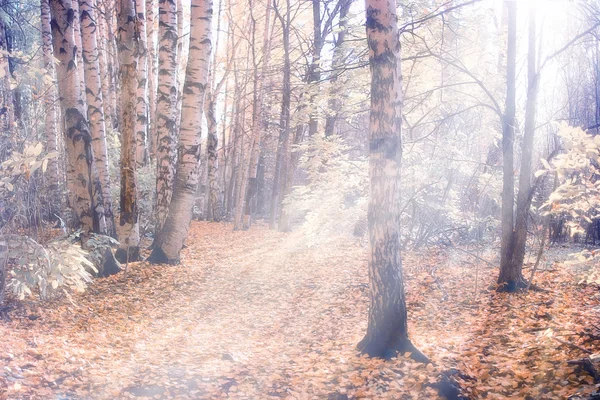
x=212 y=210
x=152 y=76
x=141 y=121
x=95 y=108
x=78 y=141
x=171 y=238
x=55 y=197
x=129 y=232
x=387 y=332
x=165 y=110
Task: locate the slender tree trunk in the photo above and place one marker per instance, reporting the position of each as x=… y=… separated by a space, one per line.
x=257 y=125
x=141 y=122
x=508 y=274
x=95 y=109
x=3 y=258
x=171 y=238
x=387 y=332
x=7 y=119
x=337 y=64
x=281 y=162
x=102 y=37
x=129 y=231
x=152 y=76
x=165 y=110
x=56 y=202
x=512 y=276
x=212 y=209
x=314 y=70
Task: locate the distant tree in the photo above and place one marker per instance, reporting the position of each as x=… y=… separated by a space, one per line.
x=387 y=332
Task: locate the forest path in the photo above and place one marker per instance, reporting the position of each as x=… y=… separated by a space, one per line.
x=258 y=315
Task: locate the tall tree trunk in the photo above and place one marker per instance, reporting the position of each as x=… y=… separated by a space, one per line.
x=512 y=279
x=141 y=122
x=236 y=143
x=7 y=118
x=212 y=141
x=170 y=240
x=95 y=109
x=281 y=162
x=508 y=274
x=78 y=141
x=314 y=70
x=387 y=332
x=257 y=125
x=339 y=54
x=152 y=76
x=129 y=231
x=102 y=39
x=56 y=202
x=165 y=110
x=3 y=259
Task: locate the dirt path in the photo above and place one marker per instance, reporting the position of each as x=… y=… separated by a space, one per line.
x=182 y=331
x=257 y=315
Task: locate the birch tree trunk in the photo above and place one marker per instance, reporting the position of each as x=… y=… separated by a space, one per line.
x=387 y=332
x=171 y=238
x=212 y=141
x=141 y=122
x=166 y=110
x=78 y=141
x=102 y=41
x=129 y=232
x=54 y=188
x=95 y=109
x=152 y=76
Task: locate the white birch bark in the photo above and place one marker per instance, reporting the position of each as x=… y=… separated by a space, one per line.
x=95 y=109
x=51 y=127
x=141 y=122
x=170 y=240
x=166 y=110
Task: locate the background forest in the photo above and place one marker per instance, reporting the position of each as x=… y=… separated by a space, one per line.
x=121 y=122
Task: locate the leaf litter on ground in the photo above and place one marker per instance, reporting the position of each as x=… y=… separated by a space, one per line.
x=257 y=315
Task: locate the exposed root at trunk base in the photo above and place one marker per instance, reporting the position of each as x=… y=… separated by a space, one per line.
x=449 y=388
x=379 y=349
x=158 y=256
x=122 y=257
x=110 y=265
x=515 y=286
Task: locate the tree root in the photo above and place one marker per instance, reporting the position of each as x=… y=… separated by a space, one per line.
x=377 y=349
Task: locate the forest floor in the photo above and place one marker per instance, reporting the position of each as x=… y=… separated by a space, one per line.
x=258 y=315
